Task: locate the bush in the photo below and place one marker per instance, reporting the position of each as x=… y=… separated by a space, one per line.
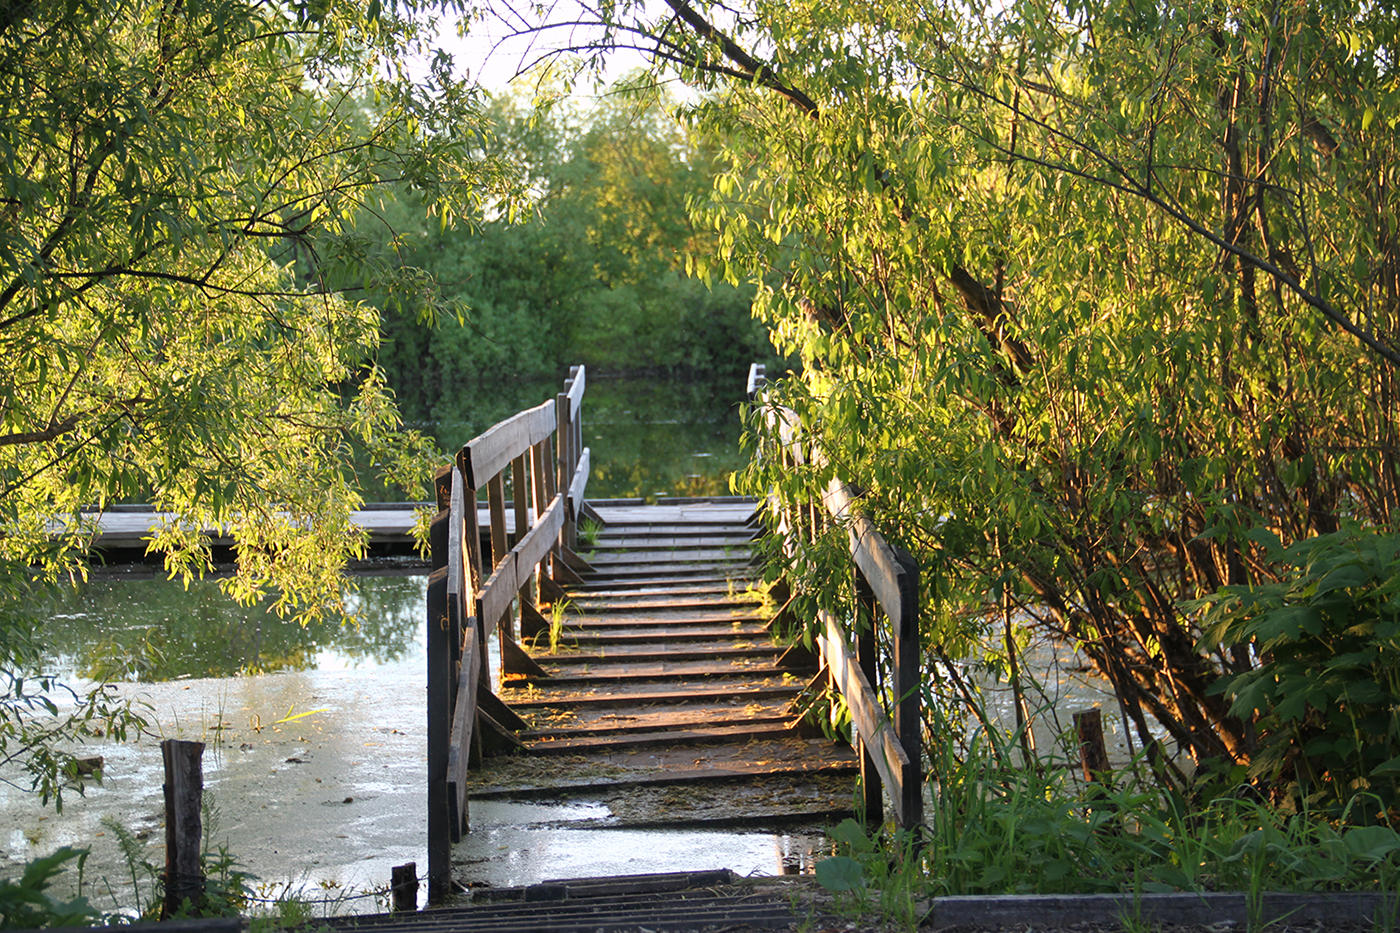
x=1323 y=697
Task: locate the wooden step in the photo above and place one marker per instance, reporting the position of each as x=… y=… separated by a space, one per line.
x=662 y=635
x=663 y=604
x=666 y=563
x=654 y=574
x=633 y=582
x=730 y=775
x=670 y=738
x=645 y=654
x=719 y=587
x=681 y=671
x=688 y=718
x=608 y=544
x=626 y=622
x=700 y=693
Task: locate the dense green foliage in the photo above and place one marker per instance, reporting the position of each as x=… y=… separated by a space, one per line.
x=590 y=269
x=1085 y=297
x=1328 y=637
x=163 y=165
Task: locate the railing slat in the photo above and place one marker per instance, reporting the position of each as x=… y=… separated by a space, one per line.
x=497 y=593
x=460 y=734
x=576 y=391
x=489 y=452
x=875 y=558
x=578 y=484
x=500 y=588
x=456 y=529
x=872 y=724
x=537 y=544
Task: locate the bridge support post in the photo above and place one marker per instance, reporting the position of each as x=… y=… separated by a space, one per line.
x=871 y=787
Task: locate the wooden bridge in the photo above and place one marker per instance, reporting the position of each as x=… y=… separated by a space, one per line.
x=634 y=654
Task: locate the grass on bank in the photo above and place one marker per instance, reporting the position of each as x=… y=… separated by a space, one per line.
x=998 y=829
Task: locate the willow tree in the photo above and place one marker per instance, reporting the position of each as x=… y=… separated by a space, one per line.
x=174 y=175
x=1097 y=302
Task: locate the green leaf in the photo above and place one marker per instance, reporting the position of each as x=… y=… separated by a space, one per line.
x=1371 y=843
x=840 y=873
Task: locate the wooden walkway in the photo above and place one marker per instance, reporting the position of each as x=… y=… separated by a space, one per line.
x=663 y=696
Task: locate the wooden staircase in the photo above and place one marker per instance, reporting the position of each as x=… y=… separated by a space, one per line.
x=664 y=697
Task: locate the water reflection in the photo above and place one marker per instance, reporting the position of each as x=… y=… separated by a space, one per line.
x=148 y=631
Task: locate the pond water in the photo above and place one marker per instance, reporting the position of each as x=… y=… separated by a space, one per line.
x=315 y=736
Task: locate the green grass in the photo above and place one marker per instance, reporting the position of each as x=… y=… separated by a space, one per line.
x=994 y=829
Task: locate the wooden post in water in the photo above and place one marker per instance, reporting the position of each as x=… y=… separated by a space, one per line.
x=184 y=791
x=403 y=887
x=1093 y=753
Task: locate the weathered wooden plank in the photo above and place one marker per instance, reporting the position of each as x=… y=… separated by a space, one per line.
x=564 y=464
x=485 y=455
x=875 y=558
x=184 y=790
x=497 y=593
x=577 y=385
x=870 y=719
x=460 y=733
x=578 y=484
x=536 y=544
x=520 y=493
x=457 y=508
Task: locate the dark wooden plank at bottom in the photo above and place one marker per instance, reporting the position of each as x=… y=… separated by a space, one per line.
x=665 y=696
x=565 y=786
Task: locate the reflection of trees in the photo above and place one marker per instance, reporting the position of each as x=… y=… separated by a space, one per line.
x=645 y=435
x=389 y=611
x=152 y=630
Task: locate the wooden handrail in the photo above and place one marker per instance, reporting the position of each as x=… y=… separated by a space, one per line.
x=889 y=744
x=473 y=587
x=492 y=451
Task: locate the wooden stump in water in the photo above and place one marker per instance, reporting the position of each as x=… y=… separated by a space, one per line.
x=184 y=790
x=403 y=887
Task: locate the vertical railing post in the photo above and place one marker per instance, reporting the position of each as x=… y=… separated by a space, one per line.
x=439 y=724
x=872 y=788
x=908 y=682
x=563 y=434
x=496 y=502
x=471 y=539
x=520 y=494
x=541 y=470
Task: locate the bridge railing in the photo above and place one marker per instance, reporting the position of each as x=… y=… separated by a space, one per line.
x=478 y=575
x=886 y=715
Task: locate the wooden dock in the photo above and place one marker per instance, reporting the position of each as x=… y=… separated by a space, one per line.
x=661 y=693
x=638 y=669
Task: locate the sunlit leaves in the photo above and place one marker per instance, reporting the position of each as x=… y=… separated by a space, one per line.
x=175 y=181
x=1136 y=400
